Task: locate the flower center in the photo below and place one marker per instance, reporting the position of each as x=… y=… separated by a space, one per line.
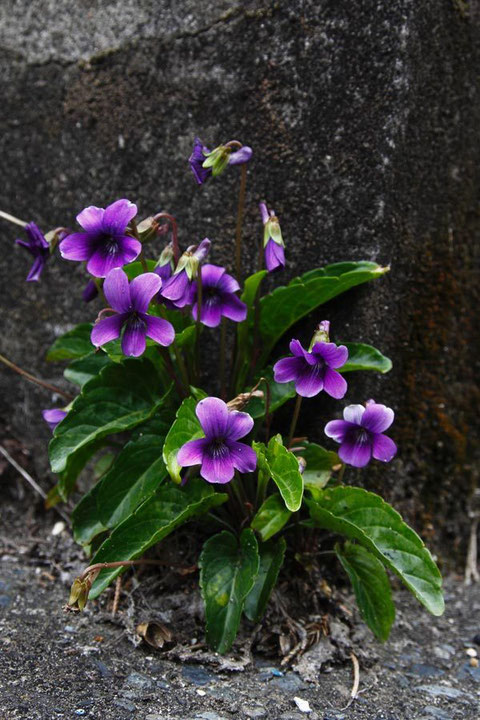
x=109 y=245
x=217 y=448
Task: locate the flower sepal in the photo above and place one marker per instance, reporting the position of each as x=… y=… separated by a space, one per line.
x=217 y=159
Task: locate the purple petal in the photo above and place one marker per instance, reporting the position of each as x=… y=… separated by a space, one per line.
x=117 y=291
x=159 y=330
x=90 y=291
x=353 y=414
x=334 y=384
x=241 y=156
x=233 y=308
x=191 y=453
x=288 y=369
x=104 y=259
x=77 y=246
x=202 y=250
x=36 y=236
x=118 y=215
x=53 y=417
x=240 y=424
x=217 y=466
x=337 y=430
x=309 y=382
x=384 y=448
x=244 y=458
x=91 y=219
x=134 y=337
x=296 y=348
x=177 y=289
x=164 y=272
x=142 y=290
x=214 y=417
x=274 y=256
x=107 y=329
x=36 y=269
x=196 y=161
x=355 y=451
x=335 y=356
x=211 y=312
x=228 y=284
x=377 y=418
x=212 y=274
x=263 y=212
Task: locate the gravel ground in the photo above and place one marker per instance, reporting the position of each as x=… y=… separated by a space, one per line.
x=63 y=665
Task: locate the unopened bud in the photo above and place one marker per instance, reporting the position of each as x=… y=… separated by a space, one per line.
x=240 y=400
x=322 y=333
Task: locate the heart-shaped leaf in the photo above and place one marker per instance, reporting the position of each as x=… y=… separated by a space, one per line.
x=282 y=466
x=365 y=357
x=73 y=344
x=271 y=517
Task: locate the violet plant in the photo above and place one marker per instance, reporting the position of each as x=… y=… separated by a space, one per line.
x=196 y=451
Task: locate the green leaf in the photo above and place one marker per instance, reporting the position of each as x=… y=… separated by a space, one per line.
x=68 y=477
x=185 y=428
x=279 y=394
x=119 y=398
x=227 y=574
x=271 y=560
x=371 y=587
x=132 y=270
x=365 y=517
x=73 y=344
x=86 y=520
x=318 y=470
x=365 y=357
x=185 y=337
x=136 y=473
x=83 y=369
x=282 y=466
x=156 y=518
x=271 y=517
x=287 y=305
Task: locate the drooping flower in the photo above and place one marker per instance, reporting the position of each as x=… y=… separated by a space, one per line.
x=272 y=240
x=103 y=244
x=90 y=291
x=179 y=289
x=164 y=266
x=360 y=434
x=38 y=247
x=314 y=370
x=206 y=163
x=130 y=304
x=219 y=453
x=53 y=416
x=218 y=297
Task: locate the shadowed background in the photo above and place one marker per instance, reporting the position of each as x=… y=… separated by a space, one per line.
x=364 y=122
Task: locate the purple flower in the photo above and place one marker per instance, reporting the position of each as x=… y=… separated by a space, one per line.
x=38 y=247
x=130 y=303
x=272 y=240
x=218 y=452
x=53 y=417
x=104 y=243
x=180 y=288
x=205 y=163
x=360 y=434
x=90 y=291
x=218 y=297
x=314 y=371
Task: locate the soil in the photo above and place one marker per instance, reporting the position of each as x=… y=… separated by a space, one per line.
x=58 y=664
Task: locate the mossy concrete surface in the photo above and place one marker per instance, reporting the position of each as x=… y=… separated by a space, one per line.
x=364 y=121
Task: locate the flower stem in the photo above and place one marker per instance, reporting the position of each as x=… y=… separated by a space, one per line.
x=36 y=380
x=12 y=219
x=223 y=350
x=238 y=231
x=294 y=420
x=121 y=563
x=174 y=228
x=198 y=324
x=141 y=257
x=181 y=364
x=99 y=283
x=171 y=371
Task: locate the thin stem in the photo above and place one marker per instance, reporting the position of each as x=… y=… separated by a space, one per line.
x=268 y=417
x=171 y=371
x=174 y=228
x=181 y=364
x=238 y=231
x=141 y=257
x=198 y=324
x=223 y=350
x=294 y=420
x=121 y=563
x=221 y=521
x=12 y=219
x=99 y=283
x=35 y=380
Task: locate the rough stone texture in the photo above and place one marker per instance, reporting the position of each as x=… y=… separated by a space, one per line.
x=364 y=119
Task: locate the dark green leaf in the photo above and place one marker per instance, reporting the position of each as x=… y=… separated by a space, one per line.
x=134 y=269
x=271 y=517
x=282 y=466
x=227 y=574
x=156 y=518
x=286 y=305
x=371 y=587
x=365 y=517
x=136 y=473
x=68 y=477
x=319 y=466
x=365 y=357
x=86 y=520
x=185 y=428
x=85 y=368
x=271 y=560
x=120 y=397
x=73 y=344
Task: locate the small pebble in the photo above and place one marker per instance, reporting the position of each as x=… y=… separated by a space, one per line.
x=471 y=652
x=58 y=528
x=201 y=693
x=303 y=705
x=80 y=711
x=474 y=662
